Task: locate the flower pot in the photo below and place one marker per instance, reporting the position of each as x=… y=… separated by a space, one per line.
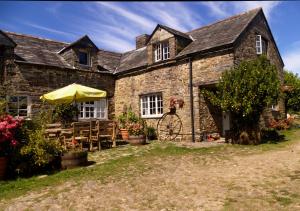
x=73 y=159
x=137 y=140
x=3 y=167
x=124 y=134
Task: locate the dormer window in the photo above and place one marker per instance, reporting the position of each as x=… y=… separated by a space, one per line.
x=261 y=45
x=84 y=58
x=161 y=51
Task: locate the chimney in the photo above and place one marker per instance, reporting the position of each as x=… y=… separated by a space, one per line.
x=141 y=40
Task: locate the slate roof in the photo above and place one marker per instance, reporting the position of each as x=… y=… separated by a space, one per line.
x=220 y=34
x=85 y=39
x=172 y=31
x=39 y=51
x=133 y=59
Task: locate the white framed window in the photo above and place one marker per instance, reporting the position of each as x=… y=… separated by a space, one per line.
x=84 y=58
x=166 y=51
x=157 y=52
x=261 y=45
x=161 y=51
x=151 y=105
x=19 y=106
x=93 y=109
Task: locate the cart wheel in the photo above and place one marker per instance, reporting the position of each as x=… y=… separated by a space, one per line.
x=168 y=127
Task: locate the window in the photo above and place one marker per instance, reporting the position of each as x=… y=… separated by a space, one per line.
x=84 y=58
x=261 y=45
x=18 y=106
x=151 y=105
x=161 y=51
x=93 y=109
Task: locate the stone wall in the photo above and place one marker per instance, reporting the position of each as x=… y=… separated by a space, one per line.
x=173 y=80
x=35 y=80
x=246 y=50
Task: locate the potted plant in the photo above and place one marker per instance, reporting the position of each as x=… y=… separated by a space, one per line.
x=122 y=119
x=136 y=129
x=136 y=133
x=151 y=133
x=8 y=127
x=128 y=116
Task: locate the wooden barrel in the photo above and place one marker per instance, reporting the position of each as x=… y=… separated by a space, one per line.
x=73 y=159
x=137 y=140
x=3 y=166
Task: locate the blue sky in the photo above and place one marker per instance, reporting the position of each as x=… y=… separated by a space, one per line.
x=114 y=25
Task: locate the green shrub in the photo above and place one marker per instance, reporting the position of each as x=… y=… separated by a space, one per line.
x=271 y=135
x=151 y=133
x=39 y=150
x=65 y=113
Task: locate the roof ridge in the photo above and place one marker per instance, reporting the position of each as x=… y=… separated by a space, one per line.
x=108 y=51
x=226 y=19
x=35 y=37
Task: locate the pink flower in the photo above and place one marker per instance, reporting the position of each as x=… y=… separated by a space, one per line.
x=13 y=143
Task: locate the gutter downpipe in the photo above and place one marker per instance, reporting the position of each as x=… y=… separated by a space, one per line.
x=191 y=98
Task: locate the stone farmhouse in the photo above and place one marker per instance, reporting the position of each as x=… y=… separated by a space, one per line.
x=164 y=64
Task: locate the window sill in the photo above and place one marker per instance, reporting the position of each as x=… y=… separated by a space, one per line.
x=152 y=116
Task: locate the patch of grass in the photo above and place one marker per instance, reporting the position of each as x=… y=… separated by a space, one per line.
x=124 y=166
x=135 y=161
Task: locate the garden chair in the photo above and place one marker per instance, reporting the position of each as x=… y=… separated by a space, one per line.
x=67 y=141
x=81 y=132
x=95 y=135
x=107 y=132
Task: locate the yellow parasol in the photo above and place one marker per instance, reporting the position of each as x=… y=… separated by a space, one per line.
x=73 y=92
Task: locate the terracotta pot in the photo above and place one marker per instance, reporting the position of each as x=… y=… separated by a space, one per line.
x=124 y=134
x=73 y=159
x=137 y=140
x=3 y=167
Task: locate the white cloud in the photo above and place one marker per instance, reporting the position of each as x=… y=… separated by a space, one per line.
x=267 y=6
x=133 y=17
x=184 y=20
x=111 y=42
x=48 y=29
x=218 y=9
x=223 y=9
x=291 y=58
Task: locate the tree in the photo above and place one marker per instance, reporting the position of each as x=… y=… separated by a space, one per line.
x=245 y=91
x=292 y=96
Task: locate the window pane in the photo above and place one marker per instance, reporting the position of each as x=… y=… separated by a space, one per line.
x=166 y=53
x=13 y=112
x=83 y=58
x=17 y=105
x=151 y=105
x=22 y=112
x=258 y=44
x=22 y=102
x=13 y=99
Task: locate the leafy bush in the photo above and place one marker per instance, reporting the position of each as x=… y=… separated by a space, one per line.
x=127 y=117
x=281 y=124
x=271 y=136
x=34 y=154
x=65 y=113
x=292 y=96
x=8 y=128
x=151 y=133
x=39 y=150
x=245 y=91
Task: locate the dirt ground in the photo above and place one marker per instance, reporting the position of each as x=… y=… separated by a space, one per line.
x=261 y=181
